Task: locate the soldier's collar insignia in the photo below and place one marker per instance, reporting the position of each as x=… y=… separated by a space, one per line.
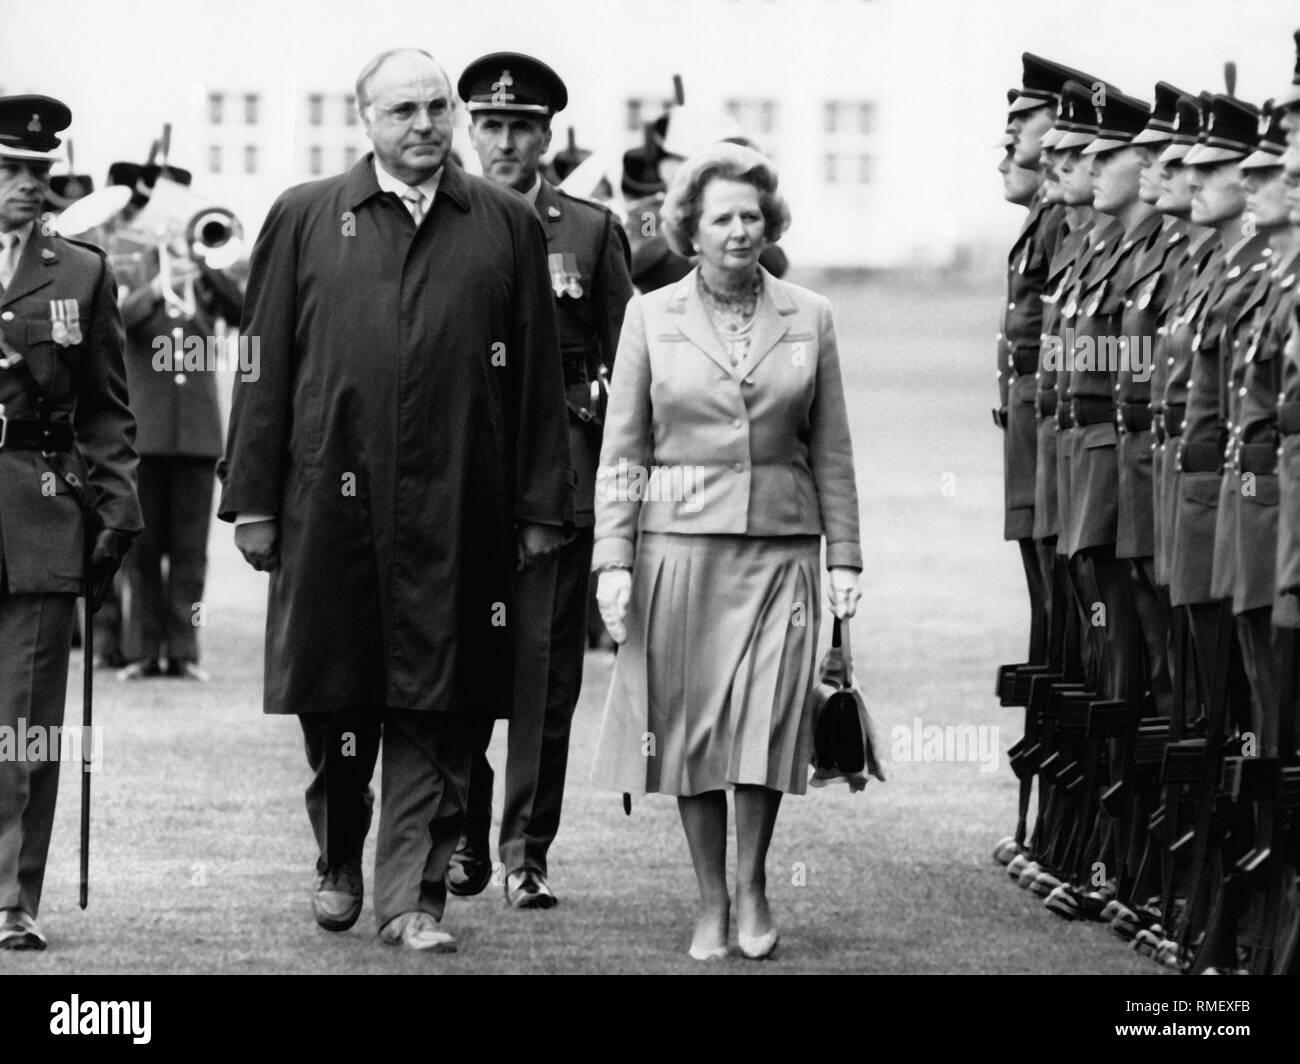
x=1288 y=280
x=47 y=253
x=553 y=212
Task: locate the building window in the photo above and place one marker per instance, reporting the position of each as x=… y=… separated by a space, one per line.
x=755 y=117
x=349 y=110
x=350 y=156
x=315 y=108
x=216 y=103
x=250 y=159
x=214 y=159
x=313 y=160
x=252 y=104
x=643 y=109
x=850 y=133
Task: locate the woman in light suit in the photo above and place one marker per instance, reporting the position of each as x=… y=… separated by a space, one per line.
x=726 y=458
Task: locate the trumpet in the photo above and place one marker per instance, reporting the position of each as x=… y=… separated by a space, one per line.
x=215 y=237
x=187 y=231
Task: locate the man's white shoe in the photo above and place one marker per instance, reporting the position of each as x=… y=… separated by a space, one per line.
x=417 y=930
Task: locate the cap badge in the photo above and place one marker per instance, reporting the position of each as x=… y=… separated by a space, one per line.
x=34 y=126
x=499 y=94
x=1265 y=120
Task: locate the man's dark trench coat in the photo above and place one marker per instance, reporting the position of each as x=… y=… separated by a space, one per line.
x=408 y=414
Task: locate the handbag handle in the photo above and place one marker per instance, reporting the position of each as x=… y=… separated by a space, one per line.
x=840 y=638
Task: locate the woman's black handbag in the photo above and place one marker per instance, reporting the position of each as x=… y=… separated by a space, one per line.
x=843 y=746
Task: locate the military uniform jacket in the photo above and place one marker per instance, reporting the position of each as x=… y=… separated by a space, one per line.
x=589 y=263
x=1154 y=296
x=1099 y=354
x=1084 y=275
x=1288 y=473
x=175 y=400
x=1046 y=510
x=1201 y=446
x=42 y=533
x=1194 y=277
x=1249 y=547
x=1019 y=344
x=1149 y=289
x=1207 y=399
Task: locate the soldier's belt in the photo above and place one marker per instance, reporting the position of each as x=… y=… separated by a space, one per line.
x=1200 y=458
x=1025 y=361
x=30 y=434
x=1092 y=410
x=1045 y=404
x=1257 y=458
x=1288 y=418
x=1173 y=418
x=1135 y=417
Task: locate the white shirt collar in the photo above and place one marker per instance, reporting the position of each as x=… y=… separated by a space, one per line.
x=531 y=194
x=23 y=233
x=389 y=183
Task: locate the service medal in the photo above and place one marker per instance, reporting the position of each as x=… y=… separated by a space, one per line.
x=565 y=278
x=58 y=327
x=72 y=318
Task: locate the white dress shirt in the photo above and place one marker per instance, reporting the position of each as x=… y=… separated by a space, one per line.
x=10 y=256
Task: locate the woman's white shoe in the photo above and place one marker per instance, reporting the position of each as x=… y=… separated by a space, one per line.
x=756 y=947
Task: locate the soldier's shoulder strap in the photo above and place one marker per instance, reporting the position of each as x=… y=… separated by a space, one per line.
x=586 y=201
x=87 y=245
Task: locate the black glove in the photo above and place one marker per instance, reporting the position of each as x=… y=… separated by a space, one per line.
x=105 y=557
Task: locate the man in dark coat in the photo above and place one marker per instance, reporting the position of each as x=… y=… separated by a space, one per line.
x=511 y=98
x=67 y=472
x=403 y=448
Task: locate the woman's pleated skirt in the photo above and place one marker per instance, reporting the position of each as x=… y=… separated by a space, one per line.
x=711 y=688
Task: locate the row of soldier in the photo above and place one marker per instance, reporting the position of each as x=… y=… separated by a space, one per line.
x=1148 y=373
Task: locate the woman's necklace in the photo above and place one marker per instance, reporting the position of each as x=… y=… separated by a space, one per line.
x=742 y=303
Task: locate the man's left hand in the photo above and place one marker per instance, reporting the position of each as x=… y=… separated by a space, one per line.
x=105 y=557
x=537 y=541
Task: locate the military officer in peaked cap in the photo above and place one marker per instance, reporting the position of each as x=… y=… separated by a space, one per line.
x=67 y=483
x=510 y=99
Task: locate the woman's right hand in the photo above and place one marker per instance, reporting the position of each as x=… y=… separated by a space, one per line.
x=613 y=591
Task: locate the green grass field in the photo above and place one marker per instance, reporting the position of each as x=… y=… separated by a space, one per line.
x=202 y=855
